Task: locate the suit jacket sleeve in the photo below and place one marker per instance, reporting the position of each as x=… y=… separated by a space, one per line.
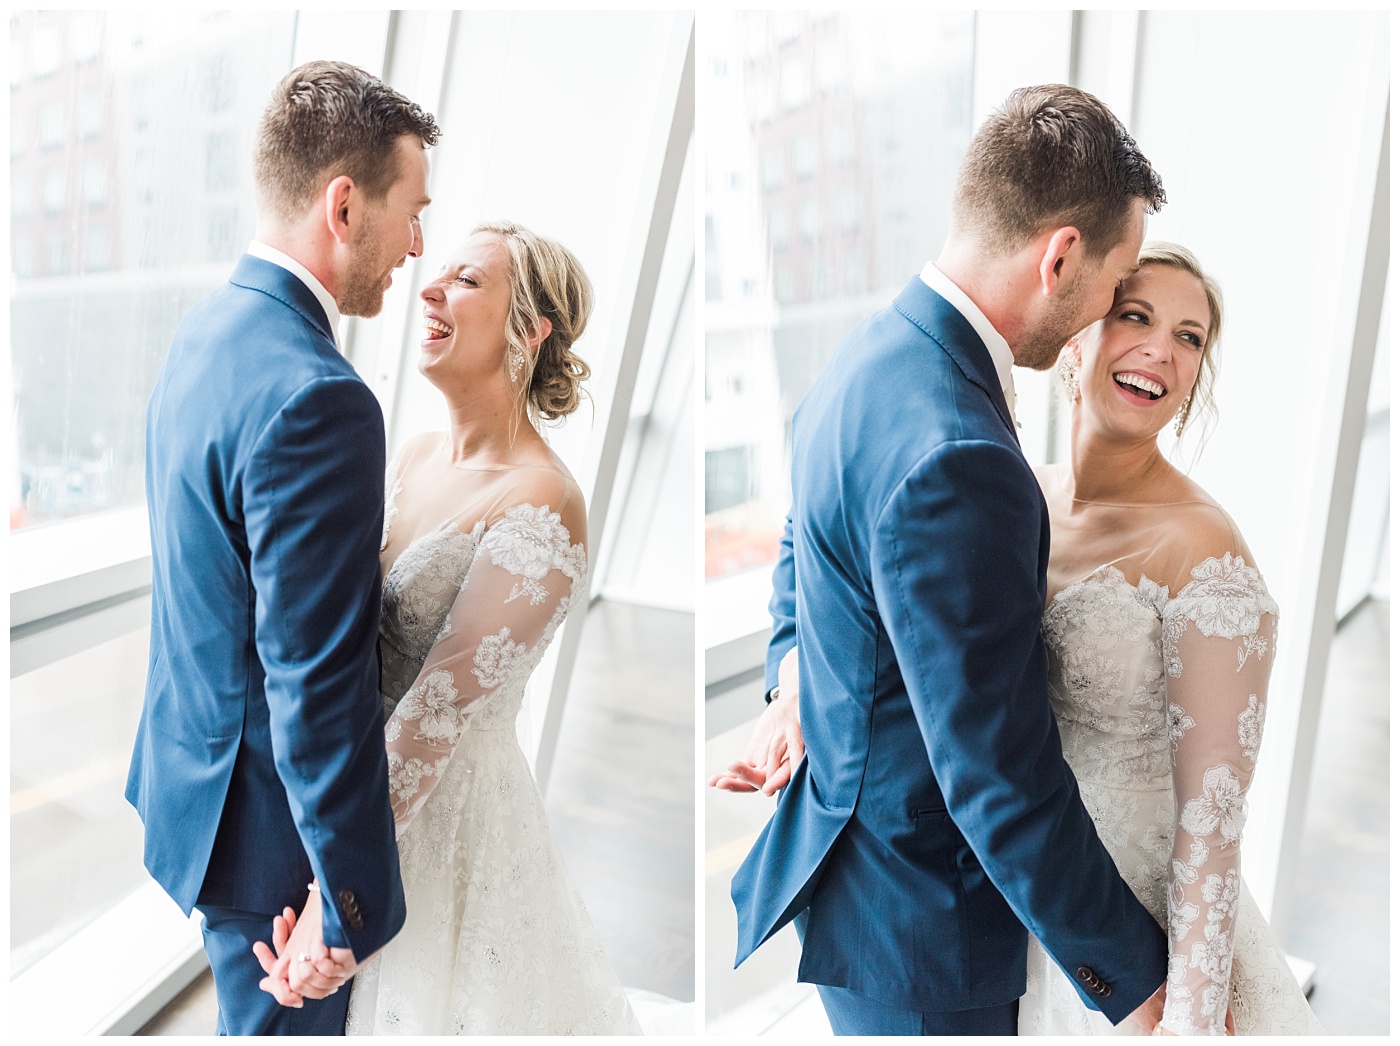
x=783 y=607
x=313 y=507
x=956 y=578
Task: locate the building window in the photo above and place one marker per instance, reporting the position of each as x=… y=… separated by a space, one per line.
x=22 y=255
x=140 y=104
x=771 y=169
x=809 y=220
x=19 y=129
x=221 y=161
x=45 y=47
x=21 y=197
x=90 y=109
x=86 y=37
x=778 y=228
x=223 y=234
x=804 y=157
x=95 y=182
x=97 y=254
x=726 y=478
x=51 y=125
x=19 y=55
x=55 y=190
x=219 y=84
x=56 y=249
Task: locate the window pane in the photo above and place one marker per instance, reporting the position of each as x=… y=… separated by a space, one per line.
x=75 y=842
x=833 y=143
x=131 y=138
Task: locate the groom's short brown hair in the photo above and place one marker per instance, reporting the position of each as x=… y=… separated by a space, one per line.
x=1052 y=156
x=326 y=119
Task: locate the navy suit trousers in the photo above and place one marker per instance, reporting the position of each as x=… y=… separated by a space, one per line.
x=851 y=1013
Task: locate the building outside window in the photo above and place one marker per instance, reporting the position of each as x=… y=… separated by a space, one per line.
x=813 y=200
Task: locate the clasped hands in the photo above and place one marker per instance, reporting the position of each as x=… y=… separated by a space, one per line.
x=303 y=966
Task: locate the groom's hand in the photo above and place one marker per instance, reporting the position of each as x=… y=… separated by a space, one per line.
x=774 y=750
x=304 y=967
x=275 y=983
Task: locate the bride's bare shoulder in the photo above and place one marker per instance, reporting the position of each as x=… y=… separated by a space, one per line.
x=1201 y=530
x=547 y=484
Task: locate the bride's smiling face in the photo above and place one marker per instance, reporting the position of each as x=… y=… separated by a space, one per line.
x=464 y=312
x=1138 y=364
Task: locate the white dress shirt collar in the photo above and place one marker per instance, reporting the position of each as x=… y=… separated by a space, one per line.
x=258 y=249
x=996 y=345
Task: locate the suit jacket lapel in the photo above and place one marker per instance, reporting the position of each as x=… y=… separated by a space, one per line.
x=259 y=275
x=937 y=317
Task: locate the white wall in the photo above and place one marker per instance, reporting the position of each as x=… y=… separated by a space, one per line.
x=550 y=120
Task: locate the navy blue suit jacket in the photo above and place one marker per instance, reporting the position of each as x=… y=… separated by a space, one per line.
x=260 y=754
x=934 y=818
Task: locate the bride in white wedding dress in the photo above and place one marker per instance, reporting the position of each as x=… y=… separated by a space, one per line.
x=1161 y=635
x=484 y=554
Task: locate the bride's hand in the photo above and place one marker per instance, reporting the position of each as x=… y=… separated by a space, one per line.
x=775 y=747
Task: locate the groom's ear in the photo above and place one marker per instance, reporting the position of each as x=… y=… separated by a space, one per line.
x=1059 y=260
x=337 y=203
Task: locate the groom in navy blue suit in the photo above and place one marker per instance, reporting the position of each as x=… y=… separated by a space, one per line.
x=260 y=770
x=934 y=818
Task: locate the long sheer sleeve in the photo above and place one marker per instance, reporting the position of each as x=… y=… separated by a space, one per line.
x=1218 y=646
x=525 y=575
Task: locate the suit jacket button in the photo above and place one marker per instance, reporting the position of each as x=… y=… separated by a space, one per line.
x=351 y=909
x=1085 y=975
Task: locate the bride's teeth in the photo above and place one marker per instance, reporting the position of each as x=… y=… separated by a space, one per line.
x=1147 y=385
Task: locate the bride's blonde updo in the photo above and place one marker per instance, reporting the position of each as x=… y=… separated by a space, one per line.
x=546 y=282
x=1201 y=401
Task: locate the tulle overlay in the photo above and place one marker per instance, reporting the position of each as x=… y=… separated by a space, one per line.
x=497 y=940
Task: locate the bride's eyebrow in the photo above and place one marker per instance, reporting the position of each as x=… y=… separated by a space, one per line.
x=1135 y=301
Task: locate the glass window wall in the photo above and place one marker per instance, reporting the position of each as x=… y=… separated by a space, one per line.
x=821 y=202
x=110 y=99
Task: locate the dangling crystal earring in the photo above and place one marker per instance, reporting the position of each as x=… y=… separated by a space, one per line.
x=1183 y=414
x=515 y=359
x=1068 y=370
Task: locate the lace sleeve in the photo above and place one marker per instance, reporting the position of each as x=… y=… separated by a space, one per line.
x=1218 y=646
x=525 y=576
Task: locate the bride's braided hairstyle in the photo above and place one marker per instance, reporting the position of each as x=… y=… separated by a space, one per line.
x=546 y=282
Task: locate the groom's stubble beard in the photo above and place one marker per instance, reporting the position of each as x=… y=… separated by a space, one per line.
x=362 y=288
x=1040 y=347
